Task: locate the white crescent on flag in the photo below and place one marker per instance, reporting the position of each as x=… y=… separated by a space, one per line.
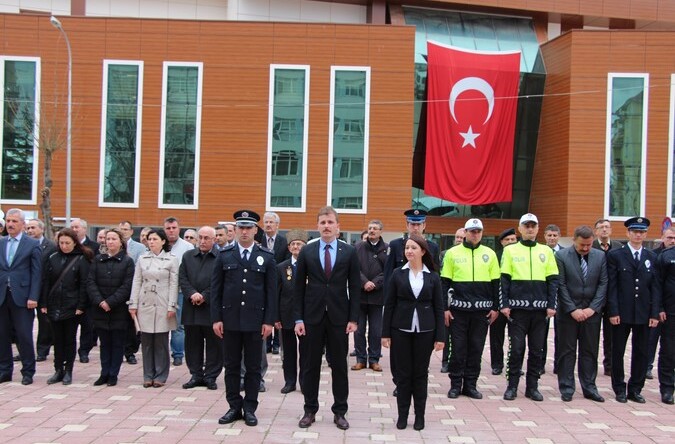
x=472 y=83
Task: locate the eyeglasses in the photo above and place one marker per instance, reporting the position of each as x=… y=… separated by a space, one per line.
x=189 y=237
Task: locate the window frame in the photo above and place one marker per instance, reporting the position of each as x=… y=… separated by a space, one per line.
x=671 y=147
x=162 y=133
x=36 y=129
x=366 y=137
x=270 y=139
x=104 y=131
x=608 y=143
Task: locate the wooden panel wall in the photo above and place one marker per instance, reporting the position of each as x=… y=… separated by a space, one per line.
x=236 y=57
x=586 y=58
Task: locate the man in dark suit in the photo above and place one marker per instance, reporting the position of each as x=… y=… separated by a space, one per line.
x=20 y=277
x=666 y=267
x=203 y=349
x=634 y=302
x=87 y=334
x=328 y=288
x=35 y=228
x=243 y=312
x=603 y=232
x=286 y=271
x=279 y=246
x=582 y=292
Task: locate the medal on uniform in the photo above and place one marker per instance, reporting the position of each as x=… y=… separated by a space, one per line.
x=289 y=273
x=260 y=260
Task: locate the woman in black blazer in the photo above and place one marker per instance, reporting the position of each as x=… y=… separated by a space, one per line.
x=413 y=326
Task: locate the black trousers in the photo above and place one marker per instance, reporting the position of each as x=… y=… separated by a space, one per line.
x=292 y=349
x=497 y=332
x=20 y=320
x=652 y=344
x=44 y=336
x=336 y=341
x=65 y=334
x=446 y=348
x=667 y=356
x=112 y=351
x=638 y=365
x=203 y=352
x=132 y=340
x=411 y=352
x=468 y=331
x=370 y=315
x=570 y=333
x=87 y=334
x=249 y=345
x=527 y=326
x=606 y=342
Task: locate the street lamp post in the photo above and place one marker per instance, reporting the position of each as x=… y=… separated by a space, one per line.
x=57 y=24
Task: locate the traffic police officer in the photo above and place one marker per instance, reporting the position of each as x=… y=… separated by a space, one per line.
x=470 y=277
x=666 y=267
x=243 y=311
x=633 y=305
x=529 y=290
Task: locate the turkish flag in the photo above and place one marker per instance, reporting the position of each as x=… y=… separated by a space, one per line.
x=471 y=117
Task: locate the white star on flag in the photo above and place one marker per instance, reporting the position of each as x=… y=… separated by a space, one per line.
x=469 y=137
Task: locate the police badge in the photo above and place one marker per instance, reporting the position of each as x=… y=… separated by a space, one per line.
x=486 y=258
x=648 y=264
x=260 y=260
x=542 y=257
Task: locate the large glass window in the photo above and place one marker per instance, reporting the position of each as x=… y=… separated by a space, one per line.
x=348 y=145
x=626 y=145
x=20 y=124
x=670 y=207
x=287 y=142
x=121 y=133
x=180 y=136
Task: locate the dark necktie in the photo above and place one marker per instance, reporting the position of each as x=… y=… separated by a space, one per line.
x=244 y=255
x=327 y=266
x=605 y=247
x=637 y=258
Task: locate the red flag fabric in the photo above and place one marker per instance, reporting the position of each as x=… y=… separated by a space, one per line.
x=471 y=117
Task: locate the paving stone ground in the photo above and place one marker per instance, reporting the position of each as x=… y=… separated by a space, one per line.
x=82 y=413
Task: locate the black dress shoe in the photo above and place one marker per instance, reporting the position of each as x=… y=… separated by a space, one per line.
x=607 y=372
x=112 y=381
x=534 y=395
x=231 y=416
x=566 y=397
x=453 y=393
x=262 y=388
x=444 y=368
x=306 y=420
x=39 y=358
x=472 y=393
x=341 y=422
x=510 y=394
x=192 y=383
x=5 y=378
x=131 y=359
x=17 y=358
x=56 y=377
x=250 y=419
x=177 y=361
x=27 y=380
x=101 y=380
x=68 y=377
x=419 y=423
x=649 y=375
x=84 y=359
x=288 y=388
x=211 y=384
x=275 y=350
x=667 y=399
x=636 y=397
x=594 y=396
x=497 y=371
x=395 y=392
x=402 y=422
x=352 y=353
x=621 y=397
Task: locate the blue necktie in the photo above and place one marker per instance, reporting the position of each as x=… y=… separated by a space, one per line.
x=11 y=250
x=584 y=268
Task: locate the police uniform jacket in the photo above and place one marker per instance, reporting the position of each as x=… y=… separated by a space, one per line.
x=396 y=256
x=286 y=283
x=244 y=293
x=634 y=289
x=194 y=276
x=666 y=267
x=470 y=277
x=154 y=292
x=529 y=277
x=372 y=259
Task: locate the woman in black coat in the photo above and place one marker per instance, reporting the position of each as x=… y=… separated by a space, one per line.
x=109 y=288
x=63 y=298
x=413 y=326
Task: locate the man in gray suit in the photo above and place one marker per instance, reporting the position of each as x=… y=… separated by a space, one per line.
x=134 y=249
x=20 y=277
x=581 y=297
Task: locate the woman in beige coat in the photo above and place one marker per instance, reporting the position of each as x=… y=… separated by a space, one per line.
x=152 y=305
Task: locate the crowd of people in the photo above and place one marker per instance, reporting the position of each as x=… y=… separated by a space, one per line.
x=225 y=296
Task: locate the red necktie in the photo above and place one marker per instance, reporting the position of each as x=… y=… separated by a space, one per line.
x=327 y=266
